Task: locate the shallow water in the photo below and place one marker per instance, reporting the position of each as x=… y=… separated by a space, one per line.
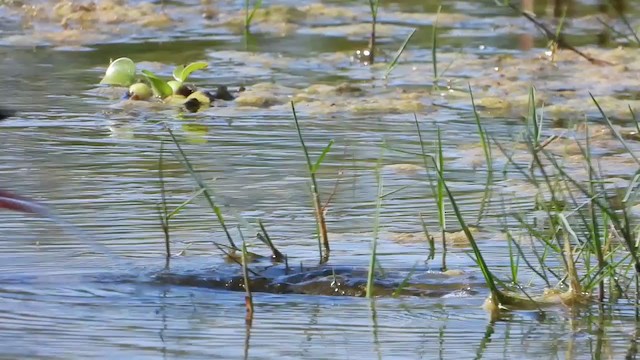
x=94 y=160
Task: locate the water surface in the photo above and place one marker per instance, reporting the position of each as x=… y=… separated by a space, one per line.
x=95 y=160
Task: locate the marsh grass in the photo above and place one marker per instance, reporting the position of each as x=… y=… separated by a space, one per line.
x=582 y=224
x=247 y=281
x=249 y=13
x=263 y=236
x=628 y=25
x=434 y=48
x=394 y=62
x=486 y=150
x=376 y=230
x=319 y=209
x=373 y=7
x=162 y=208
x=206 y=190
x=553 y=43
x=584 y=241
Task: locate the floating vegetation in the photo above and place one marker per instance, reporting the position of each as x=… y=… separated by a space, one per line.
x=176 y=92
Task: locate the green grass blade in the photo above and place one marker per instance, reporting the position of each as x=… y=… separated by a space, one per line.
x=376 y=232
x=323 y=236
x=208 y=193
x=486 y=273
x=484 y=138
x=405 y=281
x=324 y=153
x=614 y=131
x=392 y=65
x=434 y=46
x=184 y=204
x=430 y=240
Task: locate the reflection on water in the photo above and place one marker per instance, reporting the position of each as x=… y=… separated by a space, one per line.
x=95 y=161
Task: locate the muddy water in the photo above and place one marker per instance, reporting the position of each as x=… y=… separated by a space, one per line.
x=94 y=160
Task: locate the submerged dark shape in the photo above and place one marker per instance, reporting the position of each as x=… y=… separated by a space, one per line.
x=326 y=280
x=5 y=113
x=222 y=93
x=192 y=105
x=186 y=90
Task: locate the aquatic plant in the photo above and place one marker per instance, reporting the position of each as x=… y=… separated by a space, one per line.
x=247 y=281
x=162 y=208
x=556 y=38
x=395 y=59
x=434 y=47
x=122 y=72
x=373 y=7
x=319 y=209
x=376 y=230
x=206 y=190
x=249 y=14
x=263 y=236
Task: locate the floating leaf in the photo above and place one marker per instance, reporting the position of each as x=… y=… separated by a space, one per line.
x=184 y=75
x=177 y=73
x=121 y=72
x=160 y=87
x=175 y=84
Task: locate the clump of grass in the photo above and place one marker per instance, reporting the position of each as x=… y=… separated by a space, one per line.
x=562 y=239
x=319 y=212
x=583 y=223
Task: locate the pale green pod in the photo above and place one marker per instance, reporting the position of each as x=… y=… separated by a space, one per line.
x=121 y=72
x=140 y=91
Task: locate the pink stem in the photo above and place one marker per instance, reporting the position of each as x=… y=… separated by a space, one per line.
x=18 y=203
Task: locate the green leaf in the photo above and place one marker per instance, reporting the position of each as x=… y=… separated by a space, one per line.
x=322 y=156
x=394 y=62
x=177 y=72
x=184 y=75
x=160 y=87
x=121 y=72
x=257 y=5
